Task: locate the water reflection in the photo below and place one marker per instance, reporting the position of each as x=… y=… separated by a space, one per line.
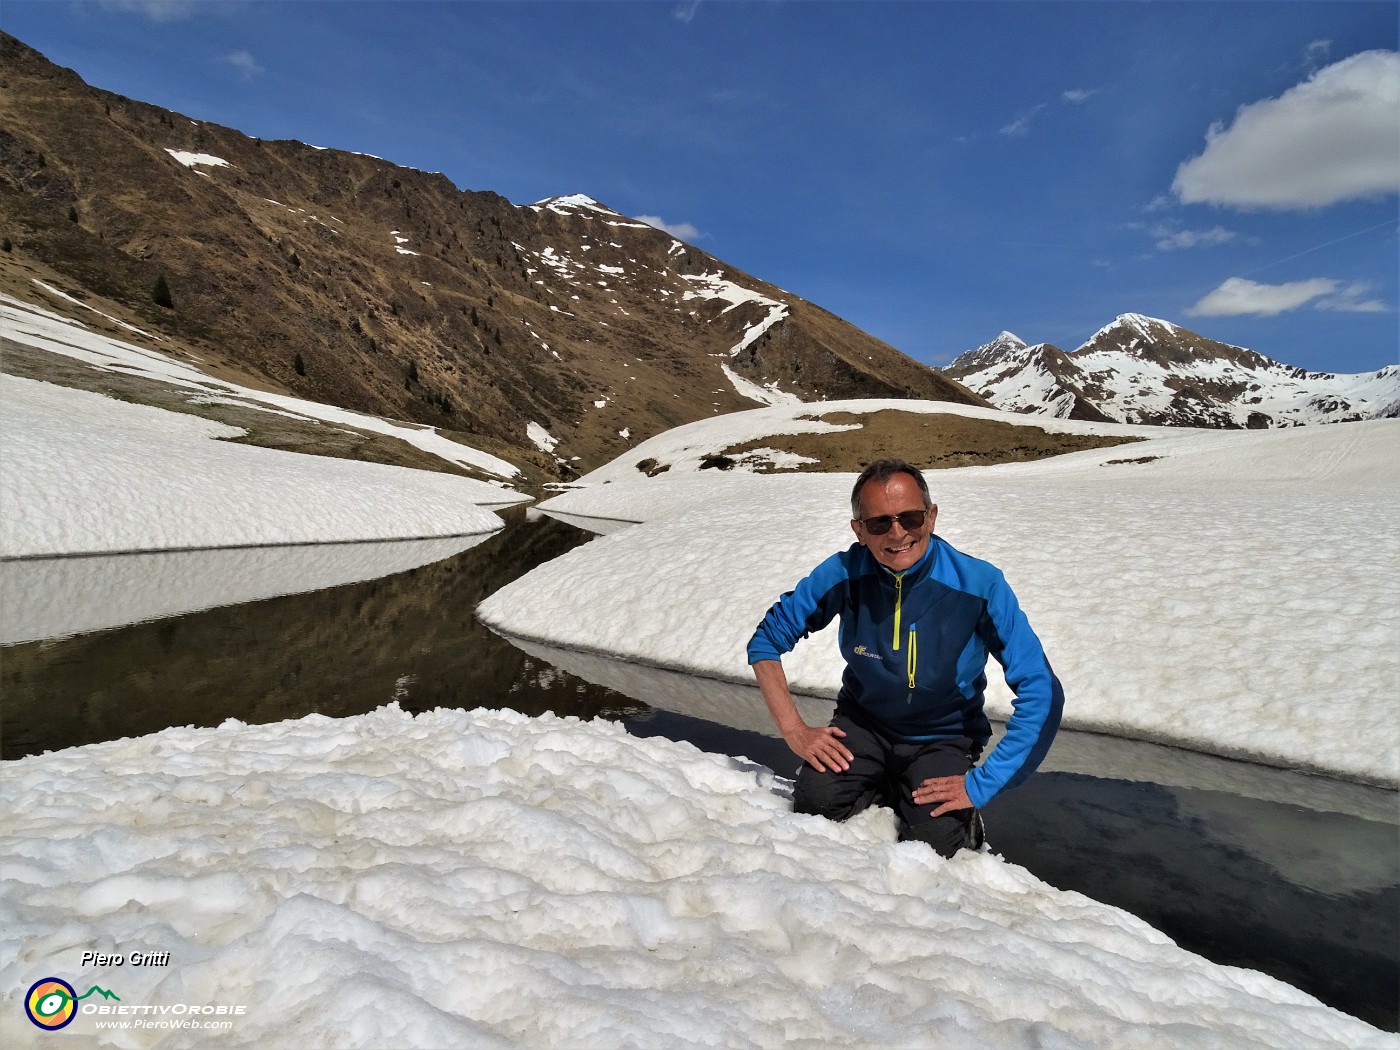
x=410 y=637
x=60 y=597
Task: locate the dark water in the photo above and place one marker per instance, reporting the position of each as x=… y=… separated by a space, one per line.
x=1307 y=893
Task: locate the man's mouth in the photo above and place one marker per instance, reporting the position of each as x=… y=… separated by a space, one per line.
x=900 y=549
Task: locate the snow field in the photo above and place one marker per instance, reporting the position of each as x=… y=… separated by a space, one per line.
x=487 y=879
x=87 y=474
x=1234 y=596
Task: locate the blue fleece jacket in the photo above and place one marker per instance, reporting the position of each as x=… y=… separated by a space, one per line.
x=916 y=646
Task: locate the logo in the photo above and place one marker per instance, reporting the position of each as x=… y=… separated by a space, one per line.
x=51 y=1002
x=861 y=650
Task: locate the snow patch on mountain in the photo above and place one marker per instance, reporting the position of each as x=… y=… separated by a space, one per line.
x=541 y=438
x=764 y=394
x=191 y=160
x=715 y=286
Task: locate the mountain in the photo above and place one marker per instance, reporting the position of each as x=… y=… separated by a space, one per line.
x=554 y=334
x=1144 y=370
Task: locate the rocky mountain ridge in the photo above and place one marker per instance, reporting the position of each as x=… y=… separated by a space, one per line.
x=1149 y=371
x=554 y=334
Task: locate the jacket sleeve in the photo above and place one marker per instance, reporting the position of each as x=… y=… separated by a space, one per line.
x=808 y=607
x=1038 y=704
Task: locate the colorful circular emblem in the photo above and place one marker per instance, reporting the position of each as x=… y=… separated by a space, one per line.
x=51 y=1003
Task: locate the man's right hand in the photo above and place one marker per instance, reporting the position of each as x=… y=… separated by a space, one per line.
x=820 y=748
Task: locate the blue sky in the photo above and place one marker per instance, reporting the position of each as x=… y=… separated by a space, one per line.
x=933 y=172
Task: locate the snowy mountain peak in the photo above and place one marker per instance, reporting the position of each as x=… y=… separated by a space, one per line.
x=1142 y=369
x=1141 y=324
x=1006 y=347
x=571 y=204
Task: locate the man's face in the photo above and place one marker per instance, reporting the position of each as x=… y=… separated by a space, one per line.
x=899 y=548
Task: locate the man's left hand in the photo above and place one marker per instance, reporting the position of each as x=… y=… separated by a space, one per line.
x=947 y=793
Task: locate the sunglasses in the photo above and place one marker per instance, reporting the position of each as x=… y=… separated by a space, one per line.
x=909 y=520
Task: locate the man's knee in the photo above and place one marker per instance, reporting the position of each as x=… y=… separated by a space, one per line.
x=830 y=794
x=946 y=834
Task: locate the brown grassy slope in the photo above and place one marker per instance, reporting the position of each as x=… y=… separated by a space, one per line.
x=284 y=264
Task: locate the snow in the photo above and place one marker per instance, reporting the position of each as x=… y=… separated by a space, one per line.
x=1139 y=323
x=1124 y=386
x=1234 y=595
x=86 y=474
x=764 y=394
x=541 y=438
x=487 y=879
x=30 y=325
x=716 y=286
x=576 y=203
x=191 y=160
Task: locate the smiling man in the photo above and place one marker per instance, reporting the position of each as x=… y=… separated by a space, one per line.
x=918 y=621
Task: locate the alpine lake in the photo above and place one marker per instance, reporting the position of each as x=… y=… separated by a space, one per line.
x=1294 y=875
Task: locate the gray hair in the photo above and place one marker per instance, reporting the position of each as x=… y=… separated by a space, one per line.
x=882 y=470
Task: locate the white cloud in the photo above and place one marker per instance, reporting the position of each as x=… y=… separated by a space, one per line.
x=680 y=230
x=1022 y=124
x=1316 y=53
x=1238 y=295
x=155 y=10
x=686 y=12
x=1334 y=137
x=244 y=62
x=1169 y=240
x=1349 y=300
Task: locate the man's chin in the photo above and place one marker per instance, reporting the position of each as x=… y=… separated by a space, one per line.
x=898 y=561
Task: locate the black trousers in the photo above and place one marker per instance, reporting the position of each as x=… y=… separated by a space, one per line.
x=885 y=772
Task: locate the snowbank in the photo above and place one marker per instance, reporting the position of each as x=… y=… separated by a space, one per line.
x=488 y=879
x=86 y=474
x=1234 y=594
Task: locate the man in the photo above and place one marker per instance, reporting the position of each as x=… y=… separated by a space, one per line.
x=918 y=620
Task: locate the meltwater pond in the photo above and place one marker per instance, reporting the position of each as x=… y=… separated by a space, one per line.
x=1296 y=876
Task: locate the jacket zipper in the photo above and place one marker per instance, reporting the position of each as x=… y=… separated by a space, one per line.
x=898 y=600
x=911 y=662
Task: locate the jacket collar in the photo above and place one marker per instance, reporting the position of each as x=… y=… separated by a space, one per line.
x=914 y=573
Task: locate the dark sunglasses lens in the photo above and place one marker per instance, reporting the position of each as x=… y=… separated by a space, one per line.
x=908 y=521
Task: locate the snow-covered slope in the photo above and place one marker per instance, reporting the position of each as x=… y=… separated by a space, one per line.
x=486 y=879
x=1145 y=370
x=1226 y=591
x=84 y=473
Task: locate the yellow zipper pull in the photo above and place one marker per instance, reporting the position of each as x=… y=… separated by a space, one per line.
x=898 y=599
x=912 y=660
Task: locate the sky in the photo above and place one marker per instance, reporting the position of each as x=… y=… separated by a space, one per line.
x=933 y=172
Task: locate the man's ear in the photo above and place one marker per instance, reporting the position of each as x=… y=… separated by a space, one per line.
x=855 y=527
